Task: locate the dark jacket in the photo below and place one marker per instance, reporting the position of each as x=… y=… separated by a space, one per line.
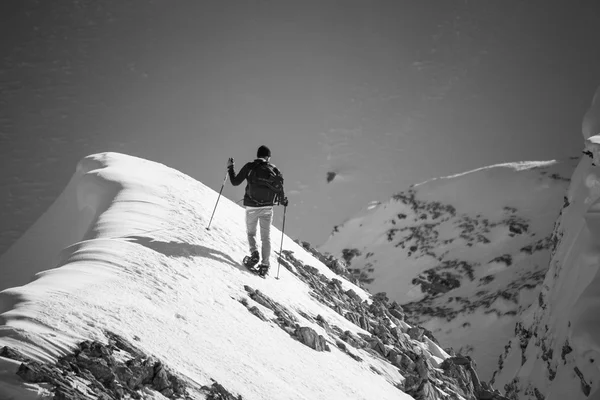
x=236 y=180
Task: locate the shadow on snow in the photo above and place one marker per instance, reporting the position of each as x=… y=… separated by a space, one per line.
x=179 y=249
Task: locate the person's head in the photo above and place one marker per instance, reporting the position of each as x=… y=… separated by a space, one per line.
x=263 y=152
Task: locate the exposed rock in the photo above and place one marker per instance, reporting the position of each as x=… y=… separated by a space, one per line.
x=353 y=340
x=284 y=317
x=364 y=323
x=217 y=392
x=379 y=347
x=353 y=295
x=35 y=372
x=352 y=317
x=383 y=333
x=256 y=311
x=138 y=371
x=12 y=354
x=92 y=372
x=416 y=333
x=321 y=321
x=453 y=366
x=312 y=339
x=397 y=313
x=389 y=338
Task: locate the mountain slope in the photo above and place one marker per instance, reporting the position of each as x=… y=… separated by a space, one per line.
x=134 y=298
x=555 y=349
x=463 y=254
x=539 y=359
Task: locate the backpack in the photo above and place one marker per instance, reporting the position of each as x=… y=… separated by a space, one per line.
x=265 y=184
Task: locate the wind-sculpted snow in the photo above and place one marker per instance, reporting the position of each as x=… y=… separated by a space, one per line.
x=134 y=298
x=555 y=351
x=591 y=120
x=464 y=255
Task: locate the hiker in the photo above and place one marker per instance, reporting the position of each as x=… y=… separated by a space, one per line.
x=263 y=191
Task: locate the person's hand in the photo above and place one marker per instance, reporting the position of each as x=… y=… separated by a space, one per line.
x=284 y=202
x=230 y=162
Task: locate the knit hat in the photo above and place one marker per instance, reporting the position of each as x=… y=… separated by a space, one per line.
x=263 y=151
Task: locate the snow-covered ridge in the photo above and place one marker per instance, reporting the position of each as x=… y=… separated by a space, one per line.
x=121 y=271
x=590 y=125
x=463 y=254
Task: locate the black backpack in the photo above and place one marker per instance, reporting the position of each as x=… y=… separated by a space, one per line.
x=265 y=184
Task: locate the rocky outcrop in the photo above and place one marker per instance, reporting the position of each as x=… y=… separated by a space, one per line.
x=94 y=371
x=338 y=266
x=312 y=339
x=216 y=391
x=111 y=371
x=387 y=337
x=285 y=320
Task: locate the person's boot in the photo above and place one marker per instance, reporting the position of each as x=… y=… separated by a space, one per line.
x=251 y=260
x=263 y=270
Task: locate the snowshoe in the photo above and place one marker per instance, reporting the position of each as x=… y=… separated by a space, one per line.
x=263 y=270
x=251 y=260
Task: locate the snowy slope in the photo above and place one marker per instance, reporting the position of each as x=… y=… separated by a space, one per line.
x=555 y=351
x=124 y=253
x=463 y=254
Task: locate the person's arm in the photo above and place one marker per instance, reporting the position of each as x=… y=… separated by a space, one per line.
x=282 y=199
x=239 y=178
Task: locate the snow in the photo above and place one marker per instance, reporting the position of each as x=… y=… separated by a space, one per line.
x=591 y=120
x=125 y=249
x=466 y=220
x=556 y=350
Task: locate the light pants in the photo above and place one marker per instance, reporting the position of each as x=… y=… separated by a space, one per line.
x=263 y=215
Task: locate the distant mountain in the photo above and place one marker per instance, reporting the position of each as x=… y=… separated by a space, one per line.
x=465 y=254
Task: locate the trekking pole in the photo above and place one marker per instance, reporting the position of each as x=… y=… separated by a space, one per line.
x=281 y=246
x=220 y=191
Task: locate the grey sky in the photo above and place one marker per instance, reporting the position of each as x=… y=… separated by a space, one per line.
x=384 y=93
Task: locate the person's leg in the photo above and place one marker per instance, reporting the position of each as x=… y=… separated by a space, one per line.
x=265 y=219
x=251 y=223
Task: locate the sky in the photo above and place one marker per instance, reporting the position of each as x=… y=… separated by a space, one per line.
x=382 y=93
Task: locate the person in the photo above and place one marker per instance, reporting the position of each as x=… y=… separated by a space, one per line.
x=264 y=189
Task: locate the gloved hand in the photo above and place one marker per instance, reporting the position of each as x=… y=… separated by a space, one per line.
x=230 y=162
x=284 y=202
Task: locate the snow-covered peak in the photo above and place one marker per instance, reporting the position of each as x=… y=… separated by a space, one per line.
x=555 y=350
x=120 y=288
x=463 y=254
